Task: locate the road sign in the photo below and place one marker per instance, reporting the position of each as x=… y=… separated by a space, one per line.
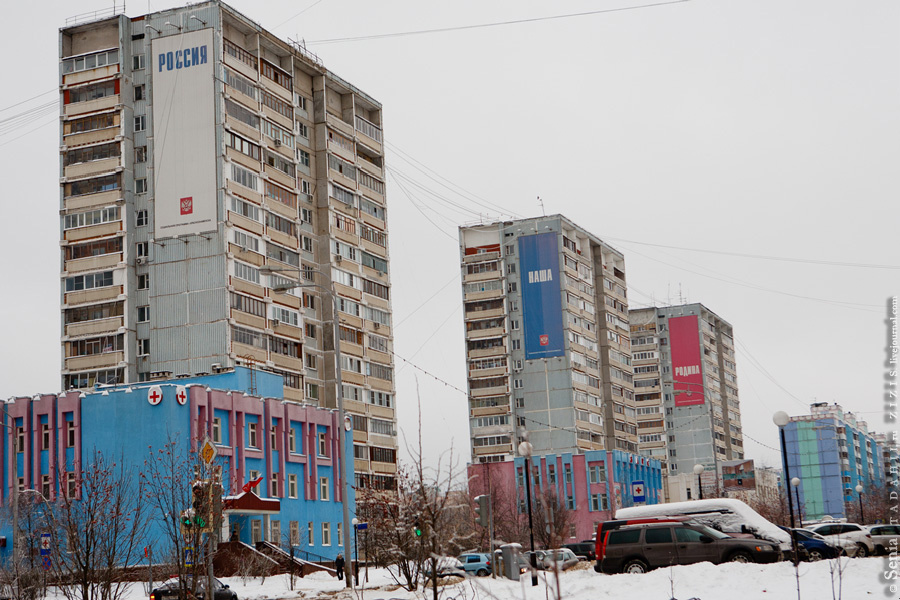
x=638 y=493
x=189 y=556
x=361 y=526
x=46 y=563
x=45 y=544
x=208 y=451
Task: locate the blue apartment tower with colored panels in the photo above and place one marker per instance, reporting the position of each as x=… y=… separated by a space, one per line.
x=832 y=452
x=292 y=447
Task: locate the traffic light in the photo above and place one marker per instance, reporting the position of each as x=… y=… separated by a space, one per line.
x=417 y=529
x=483 y=510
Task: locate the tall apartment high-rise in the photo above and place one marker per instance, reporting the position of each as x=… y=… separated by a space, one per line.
x=686 y=389
x=205 y=165
x=832 y=452
x=547 y=339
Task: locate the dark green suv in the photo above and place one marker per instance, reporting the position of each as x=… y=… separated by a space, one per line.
x=639 y=548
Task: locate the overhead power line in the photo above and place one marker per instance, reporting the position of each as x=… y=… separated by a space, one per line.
x=809 y=261
x=379 y=36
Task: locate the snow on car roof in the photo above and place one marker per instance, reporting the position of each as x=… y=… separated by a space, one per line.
x=727 y=514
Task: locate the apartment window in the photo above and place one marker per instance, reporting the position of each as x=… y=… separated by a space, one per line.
x=245 y=177
x=45 y=436
x=256 y=531
x=140 y=186
x=143 y=347
x=246 y=272
x=92 y=92
x=90 y=281
x=143 y=314
x=292 y=440
x=303 y=158
x=70 y=434
x=70 y=485
x=292 y=486
x=323 y=445
x=217 y=430
x=323 y=488
x=138 y=62
x=244 y=115
x=45 y=486
x=294 y=529
x=273 y=438
x=326 y=534
x=381 y=427
x=274 y=485
x=243 y=146
x=20 y=439
x=248 y=305
x=312 y=391
x=279 y=162
x=241 y=84
x=141 y=218
x=143 y=282
x=275 y=532
x=251 y=435
x=138 y=92
x=311 y=362
x=140 y=123
x=311 y=533
x=306 y=215
x=142 y=249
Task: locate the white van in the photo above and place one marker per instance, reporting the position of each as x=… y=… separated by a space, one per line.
x=725 y=514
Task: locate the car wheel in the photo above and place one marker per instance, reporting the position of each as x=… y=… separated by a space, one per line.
x=815 y=555
x=635 y=565
x=861 y=550
x=741 y=557
x=482 y=572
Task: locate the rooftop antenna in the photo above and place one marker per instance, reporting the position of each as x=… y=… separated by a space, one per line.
x=541 y=202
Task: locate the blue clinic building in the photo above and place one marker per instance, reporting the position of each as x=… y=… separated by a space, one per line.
x=291 y=448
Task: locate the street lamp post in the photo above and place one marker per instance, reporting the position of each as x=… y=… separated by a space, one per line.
x=781 y=419
x=795 y=481
x=342 y=417
x=698 y=471
x=525 y=449
x=355 y=544
x=859 y=492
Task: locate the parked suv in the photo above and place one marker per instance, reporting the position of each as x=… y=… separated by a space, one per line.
x=885 y=537
x=834 y=532
x=639 y=548
x=584 y=550
x=476 y=562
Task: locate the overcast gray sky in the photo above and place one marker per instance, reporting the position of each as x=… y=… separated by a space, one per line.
x=758 y=127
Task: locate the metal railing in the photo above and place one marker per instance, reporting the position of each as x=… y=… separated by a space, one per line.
x=97 y=15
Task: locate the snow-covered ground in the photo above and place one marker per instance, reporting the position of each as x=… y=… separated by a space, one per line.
x=862 y=578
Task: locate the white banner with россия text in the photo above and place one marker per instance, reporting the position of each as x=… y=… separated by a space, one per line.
x=184 y=134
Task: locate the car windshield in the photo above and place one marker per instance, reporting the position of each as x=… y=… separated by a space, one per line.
x=716 y=535
x=810 y=534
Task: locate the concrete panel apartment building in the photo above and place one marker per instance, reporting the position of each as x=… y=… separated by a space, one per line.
x=547 y=339
x=686 y=389
x=206 y=165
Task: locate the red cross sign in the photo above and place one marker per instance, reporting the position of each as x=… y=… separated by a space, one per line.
x=154 y=395
x=181 y=395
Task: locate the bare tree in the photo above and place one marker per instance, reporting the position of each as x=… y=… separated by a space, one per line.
x=101 y=530
x=416 y=525
x=169 y=474
x=24 y=576
x=552 y=519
